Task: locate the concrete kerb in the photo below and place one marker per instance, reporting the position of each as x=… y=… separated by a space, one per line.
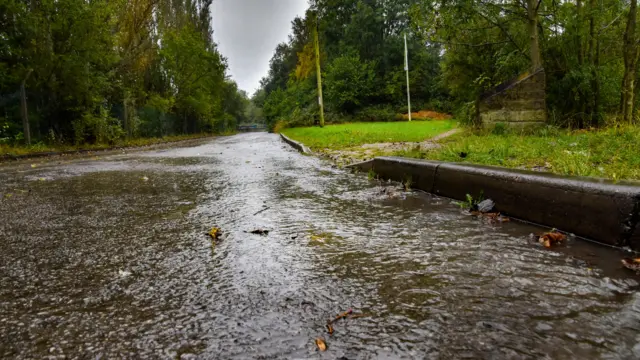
x=296 y=145
x=595 y=209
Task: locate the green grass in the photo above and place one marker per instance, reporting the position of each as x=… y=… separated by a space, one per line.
x=607 y=153
x=40 y=147
x=355 y=134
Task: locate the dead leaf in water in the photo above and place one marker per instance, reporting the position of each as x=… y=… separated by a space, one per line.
x=329 y=328
x=322 y=346
x=343 y=315
x=631 y=264
x=552 y=238
x=215 y=233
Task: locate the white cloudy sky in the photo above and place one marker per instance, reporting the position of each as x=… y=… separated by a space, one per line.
x=248 y=31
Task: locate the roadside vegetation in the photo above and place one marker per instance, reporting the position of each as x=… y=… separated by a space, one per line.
x=104 y=73
x=607 y=153
x=337 y=137
x=123 y=143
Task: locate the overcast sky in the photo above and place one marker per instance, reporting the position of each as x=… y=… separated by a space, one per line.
x=247 y=33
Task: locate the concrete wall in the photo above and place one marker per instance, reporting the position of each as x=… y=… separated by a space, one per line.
x=517 y=103
x=595 y=209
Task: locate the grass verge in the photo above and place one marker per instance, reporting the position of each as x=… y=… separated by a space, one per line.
x=40 y=147
x=612 y=153
x=355 y=134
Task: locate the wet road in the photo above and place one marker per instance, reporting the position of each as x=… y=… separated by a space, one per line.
x=108 y=258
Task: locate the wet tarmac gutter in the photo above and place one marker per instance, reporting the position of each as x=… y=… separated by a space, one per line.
x=109 y=258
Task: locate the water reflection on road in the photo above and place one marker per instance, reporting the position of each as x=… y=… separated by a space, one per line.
x=109 y=258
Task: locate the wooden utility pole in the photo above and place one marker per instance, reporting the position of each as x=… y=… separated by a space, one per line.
x=534 y=43
x=24 y=110
x=630 y=53
x=316 y=44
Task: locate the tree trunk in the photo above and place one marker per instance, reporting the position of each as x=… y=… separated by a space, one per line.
x=580 y=16
x=630 y=61
x=125 y=120
x=534 y=41
x=24 y=111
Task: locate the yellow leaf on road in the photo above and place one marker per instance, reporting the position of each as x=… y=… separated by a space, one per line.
x=322 y=346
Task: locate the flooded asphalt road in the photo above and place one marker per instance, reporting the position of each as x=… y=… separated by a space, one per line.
x=108 y=258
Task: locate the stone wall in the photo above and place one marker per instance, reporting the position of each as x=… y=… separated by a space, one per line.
x=516 y=103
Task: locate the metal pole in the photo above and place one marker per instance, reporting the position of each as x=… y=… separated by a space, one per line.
x=318 y=73
x=406 y=68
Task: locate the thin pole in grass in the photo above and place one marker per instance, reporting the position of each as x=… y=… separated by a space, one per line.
x=406 y=68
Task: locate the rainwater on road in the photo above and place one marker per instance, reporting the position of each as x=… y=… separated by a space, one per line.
x=109 y=258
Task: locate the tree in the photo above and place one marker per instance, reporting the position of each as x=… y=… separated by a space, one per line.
x=94 y=71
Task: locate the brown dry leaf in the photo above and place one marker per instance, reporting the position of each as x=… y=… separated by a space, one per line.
x=552 y=238
x=322 y=346
x=329 y=328
x=631 y=264
x=343 y=315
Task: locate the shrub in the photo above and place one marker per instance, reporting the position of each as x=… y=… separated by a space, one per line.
x=377 y=114
x=98 y=129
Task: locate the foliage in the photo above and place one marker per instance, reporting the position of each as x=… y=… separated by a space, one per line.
x=581 y=45
x=362 y=57
x=98 y=71
x=350 y=82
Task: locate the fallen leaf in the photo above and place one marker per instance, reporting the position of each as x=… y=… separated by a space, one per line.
x=33 y=165
x=329 y=328
x=144 y=178
x=631 y=264
x=215 y=233
x=343 y=315
x=322 y=346
x=551 y=238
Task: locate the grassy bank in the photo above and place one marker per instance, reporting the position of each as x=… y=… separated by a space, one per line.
x=40 y=147
x=608 y=153
x=349 y=135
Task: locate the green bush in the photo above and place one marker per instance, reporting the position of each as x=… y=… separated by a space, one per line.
x=466 y=114
x=377 y=114
x=97 y=129
x=349 y=82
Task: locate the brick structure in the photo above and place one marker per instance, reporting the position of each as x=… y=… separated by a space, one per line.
x=516 y=103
